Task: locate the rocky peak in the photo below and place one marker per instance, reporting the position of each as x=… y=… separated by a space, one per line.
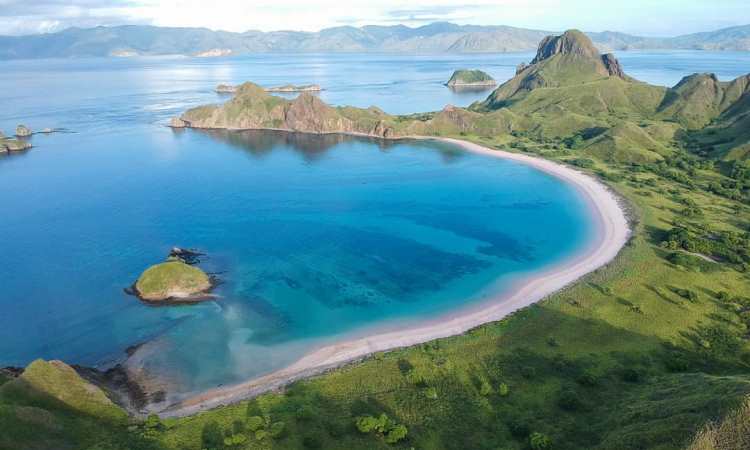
x=572 y=42
x=249 y=89
x=613 y=65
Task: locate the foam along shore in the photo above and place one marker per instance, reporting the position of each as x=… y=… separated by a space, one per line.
x=612 y=232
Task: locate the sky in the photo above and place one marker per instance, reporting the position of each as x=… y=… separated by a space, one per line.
x=642 y=17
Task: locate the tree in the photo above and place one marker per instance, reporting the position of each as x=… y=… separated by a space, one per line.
x=255 y=423
x=276 y=430
x=235 y=440
x=396 y=434
x=539 y=441
x=503 y=390
x=485 y=388
x=211 y=437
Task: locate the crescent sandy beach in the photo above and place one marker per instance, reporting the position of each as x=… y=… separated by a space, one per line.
x=611 y=233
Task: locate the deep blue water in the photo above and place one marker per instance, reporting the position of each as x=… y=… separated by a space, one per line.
x=316 y=237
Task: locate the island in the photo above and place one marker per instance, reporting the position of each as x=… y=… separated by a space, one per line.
x=470 y=78
x=9 y=145
x=295 y=88
x=214 y=53
x=175 y=281
x=287 y=88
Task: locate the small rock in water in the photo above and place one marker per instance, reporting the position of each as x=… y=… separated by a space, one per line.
x=190 y=257
x=176 y=122
x=23 y=131
x=13 y=145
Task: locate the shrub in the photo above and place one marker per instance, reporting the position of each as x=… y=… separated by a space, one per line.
x=255 y=423
x=569 y=400
x=485 y=388
x=503 y=390
x=391 y=431
x=431 y=393
x=631 y=375
x=235 y=440
x=212 y=437
x=276 y=430
x=368 y=424
x=539 y=441
x=588 y=378
x=396 y=434
x=305 y=413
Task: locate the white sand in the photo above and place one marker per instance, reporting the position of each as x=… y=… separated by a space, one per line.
x=612 y=233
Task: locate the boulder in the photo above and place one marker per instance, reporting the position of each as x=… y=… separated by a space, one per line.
x=14 y=145
x=176 y=122
x=23 y=131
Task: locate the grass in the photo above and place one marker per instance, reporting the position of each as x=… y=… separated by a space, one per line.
x=162 y=280
x=731 y=433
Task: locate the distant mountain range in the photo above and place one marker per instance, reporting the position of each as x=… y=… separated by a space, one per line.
x=439 y=37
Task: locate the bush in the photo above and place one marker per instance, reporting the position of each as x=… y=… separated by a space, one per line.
x=212 y=437
x=255 y=423
x=503 y=390
x=391 y=431
x=485 y=388
x=539 y=441
x=306 y=413
x=395 y=434
x=431 y=393
x=276 y=430
x=588 y=378
x=631 y=375
x=235 y=440
x=569 y=400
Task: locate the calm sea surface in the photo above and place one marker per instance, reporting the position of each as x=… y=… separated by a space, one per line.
x=316 y=237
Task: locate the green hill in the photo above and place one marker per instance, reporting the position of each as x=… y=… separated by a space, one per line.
x=470 y=78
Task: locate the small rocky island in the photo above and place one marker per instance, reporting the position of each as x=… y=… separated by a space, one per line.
x=470 y=78
x=288 y=88
x=174 y=281
x=295 y=88
x=17 y=144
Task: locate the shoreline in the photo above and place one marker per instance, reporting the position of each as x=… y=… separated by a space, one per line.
x=612 y=232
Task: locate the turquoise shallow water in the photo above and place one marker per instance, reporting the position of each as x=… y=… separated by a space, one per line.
x=316 y=237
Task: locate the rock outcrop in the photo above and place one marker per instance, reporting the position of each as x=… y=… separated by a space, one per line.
x=295 y=88
x=8 y=145
x=613 y=65
x=23 y=131
x=568 y=59
x=572 y=42
x=226 y=89
x=253 y=108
